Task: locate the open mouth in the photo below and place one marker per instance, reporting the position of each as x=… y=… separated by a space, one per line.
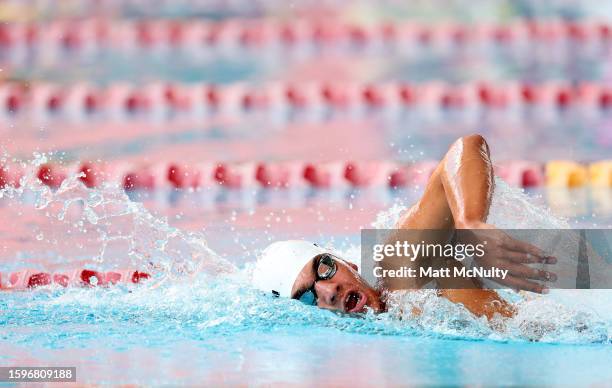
x=354 y=302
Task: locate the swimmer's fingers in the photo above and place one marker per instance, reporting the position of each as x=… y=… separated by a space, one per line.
x=520 y=257
x=526 y=272
x=521 y=246
x=522 y=284
x=528 y=258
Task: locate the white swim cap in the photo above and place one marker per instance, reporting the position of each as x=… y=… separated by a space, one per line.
x=280 y=263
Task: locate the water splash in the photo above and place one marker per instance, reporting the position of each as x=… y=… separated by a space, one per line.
x=190 y=298
x=564 y=316
x=120 y=231
x=510 y=209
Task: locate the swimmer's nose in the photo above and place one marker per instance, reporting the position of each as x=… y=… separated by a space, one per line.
x=327 y=292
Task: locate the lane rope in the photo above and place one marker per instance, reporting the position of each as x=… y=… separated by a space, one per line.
x=295 y=174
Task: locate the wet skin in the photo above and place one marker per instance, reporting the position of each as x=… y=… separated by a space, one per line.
x=346 y=291
x=457 y=196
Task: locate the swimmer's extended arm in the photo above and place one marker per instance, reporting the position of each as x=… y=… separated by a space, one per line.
x=458 y=195
x=468 y=181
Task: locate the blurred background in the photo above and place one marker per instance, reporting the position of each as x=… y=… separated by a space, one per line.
x=249 y=115
x=154 y=135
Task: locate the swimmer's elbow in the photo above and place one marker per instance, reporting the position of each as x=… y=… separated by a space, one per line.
x=470 y=144
x=474 y=140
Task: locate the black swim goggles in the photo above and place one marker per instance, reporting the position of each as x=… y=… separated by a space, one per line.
x=324 y=267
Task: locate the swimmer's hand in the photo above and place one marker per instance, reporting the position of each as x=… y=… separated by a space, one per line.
x=507 y=253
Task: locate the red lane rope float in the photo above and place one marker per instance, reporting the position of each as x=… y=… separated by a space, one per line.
x=299 y=174
x=522 y=173
x=10 y=174
x=157 y=101
x=31 y=278
x=89 y=35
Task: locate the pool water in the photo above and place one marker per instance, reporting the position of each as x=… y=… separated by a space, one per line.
x=198 y=321
x=205 y=328
x=200 y=337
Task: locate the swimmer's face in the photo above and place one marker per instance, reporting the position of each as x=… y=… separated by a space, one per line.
x=345 y=290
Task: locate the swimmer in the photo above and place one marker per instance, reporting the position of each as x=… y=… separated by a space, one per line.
x=457 y=196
